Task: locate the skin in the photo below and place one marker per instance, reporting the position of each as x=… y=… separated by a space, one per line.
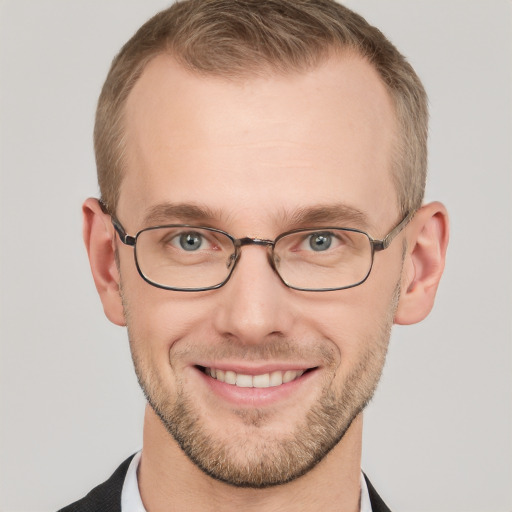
x=253 y=153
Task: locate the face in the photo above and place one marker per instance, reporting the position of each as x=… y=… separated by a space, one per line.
x=256 y=158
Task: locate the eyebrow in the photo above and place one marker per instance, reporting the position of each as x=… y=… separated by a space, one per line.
x=334 y=215
x=178 y=212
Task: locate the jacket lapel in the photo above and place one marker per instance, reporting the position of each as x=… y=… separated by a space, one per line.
x=106 y=496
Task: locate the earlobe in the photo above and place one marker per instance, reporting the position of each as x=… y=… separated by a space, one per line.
x=98 y=238
x=427 y=238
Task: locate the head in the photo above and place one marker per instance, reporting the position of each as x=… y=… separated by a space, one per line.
x=257 y=118
x=250 y=38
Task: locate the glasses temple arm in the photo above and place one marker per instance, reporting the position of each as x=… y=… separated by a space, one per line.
x=123 y=236
x=380 y=245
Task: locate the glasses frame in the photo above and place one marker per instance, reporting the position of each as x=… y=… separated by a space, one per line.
x=377 y=245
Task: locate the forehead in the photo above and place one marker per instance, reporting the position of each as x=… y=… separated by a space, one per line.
x=261 y=145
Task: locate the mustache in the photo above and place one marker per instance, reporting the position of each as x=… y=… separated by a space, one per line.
x=275 y=348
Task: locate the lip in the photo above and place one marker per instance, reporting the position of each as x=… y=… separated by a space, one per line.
x=255 y=397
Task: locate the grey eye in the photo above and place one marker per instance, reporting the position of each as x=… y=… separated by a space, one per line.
x=191 y=241
x=320 y=241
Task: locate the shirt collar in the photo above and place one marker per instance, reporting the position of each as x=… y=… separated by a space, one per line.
x=132 y=502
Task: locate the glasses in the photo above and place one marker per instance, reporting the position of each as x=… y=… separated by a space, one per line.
x=190 y=258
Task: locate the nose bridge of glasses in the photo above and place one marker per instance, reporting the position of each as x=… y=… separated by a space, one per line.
x=269 y=244
x=254 y=241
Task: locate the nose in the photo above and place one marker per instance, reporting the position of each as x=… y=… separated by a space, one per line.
x=254 y=304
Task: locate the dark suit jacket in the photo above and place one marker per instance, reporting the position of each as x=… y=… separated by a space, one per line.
x=107 y=496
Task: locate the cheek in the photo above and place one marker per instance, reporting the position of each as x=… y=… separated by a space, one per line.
x=157 y=319
x=355 y=320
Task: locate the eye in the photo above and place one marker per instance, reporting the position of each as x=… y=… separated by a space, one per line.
x=313 y=242
x=190 y=241
x=320 y=241
x=185 y=243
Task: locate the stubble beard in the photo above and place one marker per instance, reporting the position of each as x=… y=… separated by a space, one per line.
x=268 y=461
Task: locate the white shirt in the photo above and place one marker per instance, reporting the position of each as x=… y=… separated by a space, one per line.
x=130 y=495
x=132 y=502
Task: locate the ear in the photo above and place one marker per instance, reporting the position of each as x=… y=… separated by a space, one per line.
x=427 y=240
x=99 y=240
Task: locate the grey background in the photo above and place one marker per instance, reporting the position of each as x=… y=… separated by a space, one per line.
x=438 y=436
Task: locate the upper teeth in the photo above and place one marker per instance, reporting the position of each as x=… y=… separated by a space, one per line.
x=265 y=380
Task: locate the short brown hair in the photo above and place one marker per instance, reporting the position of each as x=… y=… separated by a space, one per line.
x=236 y=38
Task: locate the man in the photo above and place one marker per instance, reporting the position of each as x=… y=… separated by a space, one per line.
x=261 y=227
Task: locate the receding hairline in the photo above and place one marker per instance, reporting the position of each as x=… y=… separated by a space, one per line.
x=252 y=38
x=259 y=69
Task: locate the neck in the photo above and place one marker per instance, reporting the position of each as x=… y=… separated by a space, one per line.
x=169 y=481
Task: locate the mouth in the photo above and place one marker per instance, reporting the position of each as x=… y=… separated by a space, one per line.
x=264 y=380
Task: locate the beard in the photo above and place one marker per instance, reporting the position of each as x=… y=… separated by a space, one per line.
x=255 y=457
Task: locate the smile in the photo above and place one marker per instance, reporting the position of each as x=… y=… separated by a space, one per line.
x=264 y=380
